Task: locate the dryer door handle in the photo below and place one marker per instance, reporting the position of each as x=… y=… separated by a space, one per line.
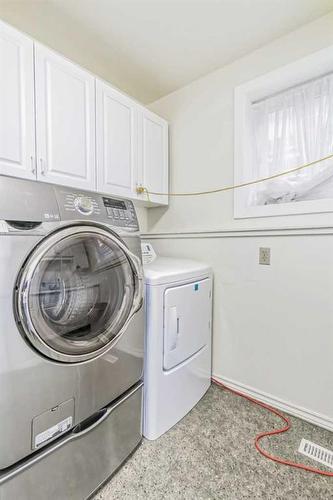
x=172 y=328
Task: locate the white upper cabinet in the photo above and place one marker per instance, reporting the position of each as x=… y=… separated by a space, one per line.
x=65 y=121
x=49 y=126
x=17 y=122
x=117 y=133
x=153 y=156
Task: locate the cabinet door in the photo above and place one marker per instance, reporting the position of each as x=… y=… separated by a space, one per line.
x=153 y=170
x=17 y=122
x=65 y=118
x=116 y=127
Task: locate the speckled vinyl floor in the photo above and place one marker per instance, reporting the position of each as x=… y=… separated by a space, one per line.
x=210 y=455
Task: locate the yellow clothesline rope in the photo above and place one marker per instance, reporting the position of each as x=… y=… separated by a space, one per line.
x=142 y=189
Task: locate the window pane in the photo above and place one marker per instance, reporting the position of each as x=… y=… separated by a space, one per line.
x=292 y=128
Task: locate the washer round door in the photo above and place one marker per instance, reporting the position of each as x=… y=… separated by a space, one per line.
x=76 y=293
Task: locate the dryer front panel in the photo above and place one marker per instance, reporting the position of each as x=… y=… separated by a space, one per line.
x=187 y=321
x=77 y=291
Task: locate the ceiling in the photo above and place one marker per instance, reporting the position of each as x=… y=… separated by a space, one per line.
x=153 y=47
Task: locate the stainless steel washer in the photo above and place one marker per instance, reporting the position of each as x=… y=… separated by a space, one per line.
x=71 y=336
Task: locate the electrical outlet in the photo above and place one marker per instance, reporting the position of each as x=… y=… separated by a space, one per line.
x=265 y=256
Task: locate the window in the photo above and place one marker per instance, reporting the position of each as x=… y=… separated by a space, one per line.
x=290 y=126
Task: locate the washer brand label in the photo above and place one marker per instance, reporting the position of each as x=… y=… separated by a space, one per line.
x=53 y=431
x=48 y=216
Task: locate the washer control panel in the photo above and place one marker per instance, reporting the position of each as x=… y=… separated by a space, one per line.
x=121 y=212
x=84 y=205
x=95 y=207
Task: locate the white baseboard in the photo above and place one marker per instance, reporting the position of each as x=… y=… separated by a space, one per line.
x=296 y=411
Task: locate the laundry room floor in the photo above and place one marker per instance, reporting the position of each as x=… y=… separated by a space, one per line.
x=210 y=455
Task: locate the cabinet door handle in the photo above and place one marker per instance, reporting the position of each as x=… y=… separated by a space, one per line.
x=33 y=165
x=42 y=166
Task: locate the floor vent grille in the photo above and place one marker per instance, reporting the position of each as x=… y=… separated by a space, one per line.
x=316 y=452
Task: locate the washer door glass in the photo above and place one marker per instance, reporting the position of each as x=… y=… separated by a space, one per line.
x=79 y=295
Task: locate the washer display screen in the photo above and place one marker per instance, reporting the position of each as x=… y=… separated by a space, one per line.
x=109 y=202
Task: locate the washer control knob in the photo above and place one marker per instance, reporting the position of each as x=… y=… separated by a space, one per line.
x=84 y=205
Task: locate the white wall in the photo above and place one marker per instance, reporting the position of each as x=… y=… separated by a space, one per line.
x=142 y=217
x=273 y=330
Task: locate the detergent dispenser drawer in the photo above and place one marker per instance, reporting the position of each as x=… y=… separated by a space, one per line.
x=187 y=321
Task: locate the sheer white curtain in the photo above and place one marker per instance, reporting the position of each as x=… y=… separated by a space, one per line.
x=289 y=129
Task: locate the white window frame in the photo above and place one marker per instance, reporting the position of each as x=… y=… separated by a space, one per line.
x=303 y=70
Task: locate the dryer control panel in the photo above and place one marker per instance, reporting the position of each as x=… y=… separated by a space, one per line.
x=95 y=207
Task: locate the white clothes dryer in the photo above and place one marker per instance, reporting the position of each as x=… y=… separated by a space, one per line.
x=178 y=340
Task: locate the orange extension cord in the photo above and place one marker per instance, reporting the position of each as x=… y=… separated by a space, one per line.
x=272 y=433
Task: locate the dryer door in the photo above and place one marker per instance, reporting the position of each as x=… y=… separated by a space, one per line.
x=187 y=321
x=76 y=293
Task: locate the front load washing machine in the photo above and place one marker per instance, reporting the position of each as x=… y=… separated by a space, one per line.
x=71 y=339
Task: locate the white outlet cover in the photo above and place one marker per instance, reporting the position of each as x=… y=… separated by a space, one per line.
x=264 y=256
